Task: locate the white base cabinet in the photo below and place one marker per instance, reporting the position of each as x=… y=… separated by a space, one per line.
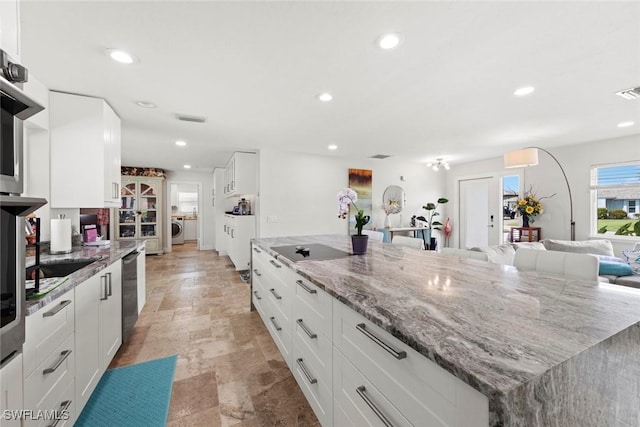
x=239 y=229
x=11 y=391
x=352 y=372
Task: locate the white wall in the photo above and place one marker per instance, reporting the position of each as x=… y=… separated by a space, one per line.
x=300 y=190
x=206 y=217
x=546 y=179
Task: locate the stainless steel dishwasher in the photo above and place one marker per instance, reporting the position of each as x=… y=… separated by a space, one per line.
x=129 y=293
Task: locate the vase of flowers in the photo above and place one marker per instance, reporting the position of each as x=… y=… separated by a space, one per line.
x=529 y=207
x=359 y=241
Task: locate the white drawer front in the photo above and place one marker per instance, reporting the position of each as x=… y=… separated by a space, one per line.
x=51 y=391
x=46 y=329
x=280 y=331
x=314 y=380
x=258 y=296
x=358 y=402
x=312 y=303
x=424 y=393
x=317 y=346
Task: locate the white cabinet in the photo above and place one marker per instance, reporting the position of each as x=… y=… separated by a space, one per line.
x=11 y=397
x=10 y=28
x=190 y=229
x=140 y=214
x=241 y=175
x=218 y=208
x=85 y=152
x=98 y=316
x=141 y=268
x=239 y=229
x=49 y=360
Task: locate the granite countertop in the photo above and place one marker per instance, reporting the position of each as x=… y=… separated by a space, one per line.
x=103 y=256
x=498 y=329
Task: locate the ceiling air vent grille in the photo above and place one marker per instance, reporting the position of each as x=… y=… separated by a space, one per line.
x=633 y=93
x=193 y=119
x=380 y=156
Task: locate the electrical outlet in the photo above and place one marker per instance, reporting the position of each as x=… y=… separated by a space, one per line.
x=272 y=218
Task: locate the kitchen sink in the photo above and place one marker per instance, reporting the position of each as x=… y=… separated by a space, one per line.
x=63 y=268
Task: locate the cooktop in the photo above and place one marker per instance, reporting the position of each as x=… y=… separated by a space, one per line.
x=310 y=252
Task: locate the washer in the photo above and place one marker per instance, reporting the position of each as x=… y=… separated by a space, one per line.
x=177 y=230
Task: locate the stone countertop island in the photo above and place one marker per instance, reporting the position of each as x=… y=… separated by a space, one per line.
x=545 y=350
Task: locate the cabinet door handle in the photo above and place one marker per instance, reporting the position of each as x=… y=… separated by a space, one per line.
x=306 y=330
x=256 y=294
x=106 y=296
x=110 y=289
x=115 y=188
x=225 y=228
x=232 y=236
x=57 y=308
x=305 y=372
x=257 y=250
x=255 y=270
x=275 y=264
x=273 y=291
x=397 y=354
x=305 y=287
x=64 y=355
x=64 y=406
x=361 y=392
x=273 y=320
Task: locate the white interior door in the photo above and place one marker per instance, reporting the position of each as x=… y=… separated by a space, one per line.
x=479 y=220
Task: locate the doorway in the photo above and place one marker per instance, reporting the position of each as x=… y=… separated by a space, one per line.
x=480 y=222
x=184 y=199
x=510 y=196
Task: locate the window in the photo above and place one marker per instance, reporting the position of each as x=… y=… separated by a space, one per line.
x=616 y=191
x=188 y=203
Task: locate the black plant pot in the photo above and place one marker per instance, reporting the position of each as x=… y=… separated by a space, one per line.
x=359 y=244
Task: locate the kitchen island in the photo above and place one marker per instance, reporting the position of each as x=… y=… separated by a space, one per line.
x=544 y=350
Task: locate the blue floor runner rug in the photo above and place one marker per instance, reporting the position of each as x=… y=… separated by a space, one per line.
x=136 y=395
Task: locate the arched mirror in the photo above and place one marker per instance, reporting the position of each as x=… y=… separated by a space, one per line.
x=393 y=199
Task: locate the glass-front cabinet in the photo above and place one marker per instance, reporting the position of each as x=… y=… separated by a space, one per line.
x=140 y=216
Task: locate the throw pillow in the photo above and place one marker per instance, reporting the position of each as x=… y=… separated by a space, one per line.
x=614 y=268
x=501 y=254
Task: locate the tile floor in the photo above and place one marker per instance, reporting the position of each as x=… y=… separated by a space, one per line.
x=229 y=371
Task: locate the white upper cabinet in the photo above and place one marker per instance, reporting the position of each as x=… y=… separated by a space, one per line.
x=85 y=152
x=241 y=175
x=10 y=28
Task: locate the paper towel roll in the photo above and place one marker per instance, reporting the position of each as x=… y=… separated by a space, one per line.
x=60 y=236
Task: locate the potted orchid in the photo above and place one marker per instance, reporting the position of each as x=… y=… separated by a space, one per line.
x=346 y=197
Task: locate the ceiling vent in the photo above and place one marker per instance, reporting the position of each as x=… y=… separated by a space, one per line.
x=380 y=156
x=633 y=93
x=193 y=119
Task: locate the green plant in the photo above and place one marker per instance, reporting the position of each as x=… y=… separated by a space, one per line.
x=602 y=229
x=618 y=214
x=432 y=212
x=603 y=213
x=629 y=229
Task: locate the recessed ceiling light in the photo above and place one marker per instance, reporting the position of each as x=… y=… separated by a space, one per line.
x=626 y=124
x=187 y=166
x=181 y=143
x=524 y=91
x=389 y=41
x=145 y=104
x=120 y=56
x=332 y=147
x=325 y=97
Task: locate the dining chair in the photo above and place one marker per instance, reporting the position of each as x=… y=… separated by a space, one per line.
x=464 y=253
x=410 y=242
x=575 y=265
x=377 y=236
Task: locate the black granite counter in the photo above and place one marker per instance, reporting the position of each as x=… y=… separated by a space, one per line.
x=104 y=257
x=546 y=350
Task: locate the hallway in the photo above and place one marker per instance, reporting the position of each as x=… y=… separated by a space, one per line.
x=229 y=372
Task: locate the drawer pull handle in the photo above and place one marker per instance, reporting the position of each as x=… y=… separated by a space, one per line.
x=57 y=308
x=361 y=392
x=64 y=406
x=110 y=289
x=255 y=270
x=106 y=296
x=305 y=329
x=276 y=265
x=305 y=287
x=256 y=294
x=257 y=250
x=273 y=320
x=273 y=291
x=52 y=369
x=397 y=354
x=305 y=372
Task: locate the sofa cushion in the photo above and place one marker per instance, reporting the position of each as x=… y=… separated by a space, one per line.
x=596 y=247
x=529 y=245
x=614 y=268
x=630 y=281
x=501 y=254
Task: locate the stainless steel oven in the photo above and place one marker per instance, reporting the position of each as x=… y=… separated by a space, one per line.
x=16 y=107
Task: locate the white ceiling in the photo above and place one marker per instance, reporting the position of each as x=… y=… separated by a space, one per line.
x=254 y=69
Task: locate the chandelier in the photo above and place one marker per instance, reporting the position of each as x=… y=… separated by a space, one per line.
x=439 y=163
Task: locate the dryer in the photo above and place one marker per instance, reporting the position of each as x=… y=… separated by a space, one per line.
x=177 y=230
